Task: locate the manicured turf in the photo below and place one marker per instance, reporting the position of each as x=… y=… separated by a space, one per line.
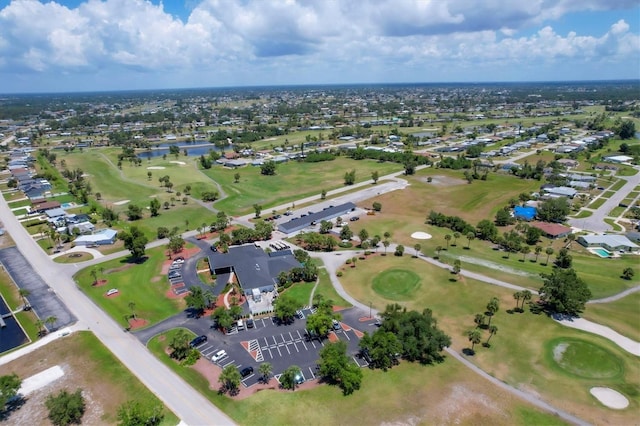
x=583 y=214
x=597 y=203
x=73 y=257
x=293 y=180
x=142 y=284
x=621 y=315
x=584 y=359
x=325 y=288
x=517 y=354
x=616 y=211
x=396 y=284
x=299 y=292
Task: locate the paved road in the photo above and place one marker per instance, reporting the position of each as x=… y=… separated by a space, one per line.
x=596 y=222
x=189 y=405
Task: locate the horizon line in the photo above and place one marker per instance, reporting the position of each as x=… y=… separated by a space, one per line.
x=328 y=85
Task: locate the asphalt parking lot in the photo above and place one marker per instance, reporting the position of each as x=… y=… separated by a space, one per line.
x=282 y=345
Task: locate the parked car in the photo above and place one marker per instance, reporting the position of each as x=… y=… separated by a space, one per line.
x=364 y=353
x=219 y=355
x=336 y=325
x=112 y=291
x=178 y=259
x=250 y=323
x=174 y=274
x=247 y=371
x=354 y=218
x=198 y=341
x=299 y=379
x=214 y=248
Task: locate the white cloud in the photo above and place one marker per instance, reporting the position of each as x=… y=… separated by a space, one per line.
x=258 y=41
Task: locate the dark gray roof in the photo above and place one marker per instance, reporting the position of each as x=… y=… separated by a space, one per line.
x=253 y=267
x=326 y=214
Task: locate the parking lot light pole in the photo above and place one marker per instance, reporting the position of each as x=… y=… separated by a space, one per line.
x=369 y=309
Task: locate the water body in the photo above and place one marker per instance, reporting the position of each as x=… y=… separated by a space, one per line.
x=192 y=151
x=11 y=336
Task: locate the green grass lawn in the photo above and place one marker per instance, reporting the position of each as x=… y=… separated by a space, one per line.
x=616 y=211
x=619 y=184
x=597 y=203
x=293 y=180
x=300 y=292
x=397 y=284
x=9 y=292
x=626 y=171
x=142 y=284
x=614 y=225
x=621 y=315
x=582 y=214
x=325 y=288
x=421 y=393
x=21 y=203
x=521 y=353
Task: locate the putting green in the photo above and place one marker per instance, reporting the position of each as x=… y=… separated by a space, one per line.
x=585 y=359
x=396 y=284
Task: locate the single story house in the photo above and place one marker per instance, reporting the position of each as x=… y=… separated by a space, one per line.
x=43 y=206
x=610 y=242
x=54 y=213
x=252 y=267
x=552 y=230
x=82 y=227
x=100 y=237
x=561 y=191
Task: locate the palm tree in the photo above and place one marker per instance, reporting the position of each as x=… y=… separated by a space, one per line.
x=517 y=295
x=549 y=252
x=474 y=337
x=526 y=296
x=385 y=243
x=456 y=266
x=479 y=320
x=571 y=238
x=492 y=330
x=492 y=307
x=470 y=237
x=132 y=307
x=40 y=326
x=24 y=293
x=265 y=371
x=94 y=275
x=51 y=320
x=525 y=250
x=456 y=235
x=538 y=250
x=417 y=248
x=438 y=250
x=447 y=238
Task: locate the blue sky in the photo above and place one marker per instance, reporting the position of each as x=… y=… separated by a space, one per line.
x=89 y=45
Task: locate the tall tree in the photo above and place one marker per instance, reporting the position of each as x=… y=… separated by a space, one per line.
x=526 y=296
x=563 y=292
x=288 y=378
x=447 y=239
x=338 y=368
x=475 y=337
x=375 y=176
x=492 y=307
x=493 y=330
x=135 y=241
x=548 y=251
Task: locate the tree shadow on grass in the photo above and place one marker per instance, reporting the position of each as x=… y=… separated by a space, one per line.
x=13 y=405
x=468 y=352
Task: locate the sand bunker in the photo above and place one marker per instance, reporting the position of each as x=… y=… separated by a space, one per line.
x=155 y=168
x=610 y=398
x=119 y=203
x=421 y=235
x=182 y=163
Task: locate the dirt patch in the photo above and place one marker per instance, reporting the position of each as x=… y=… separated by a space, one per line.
x=99 y=283
x=119 y=268
x=156 y=279
x=445 y=181
x=137 y=323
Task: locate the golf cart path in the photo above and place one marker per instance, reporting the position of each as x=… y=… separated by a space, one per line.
x=334 y=260
x=618 y=296
x=625 y=343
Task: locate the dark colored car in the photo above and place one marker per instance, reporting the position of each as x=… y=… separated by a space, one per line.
x=214 y=248
x=198 y=341
x=247 y=371
x=249 y=323
x=353 y=219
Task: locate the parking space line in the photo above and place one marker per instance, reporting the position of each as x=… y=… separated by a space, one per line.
x=287 y=348
x=304 y=344
x=278 y=348
x=263 y=323
x=313 y=376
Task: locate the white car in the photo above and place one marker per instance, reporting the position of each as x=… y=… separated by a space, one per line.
x=112 y=291
x=219 y=355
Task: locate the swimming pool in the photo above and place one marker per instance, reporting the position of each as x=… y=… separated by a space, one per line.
x=66 y=205
x=601 y=252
